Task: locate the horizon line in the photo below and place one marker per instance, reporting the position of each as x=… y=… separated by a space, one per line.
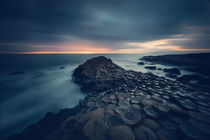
x=207 y=51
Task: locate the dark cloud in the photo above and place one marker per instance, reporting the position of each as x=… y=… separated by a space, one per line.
x=110 y=21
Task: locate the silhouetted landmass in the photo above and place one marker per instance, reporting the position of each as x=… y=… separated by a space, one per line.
x=198 y=62
x=126 y=105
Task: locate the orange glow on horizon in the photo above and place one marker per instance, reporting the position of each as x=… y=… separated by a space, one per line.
x=96 y=48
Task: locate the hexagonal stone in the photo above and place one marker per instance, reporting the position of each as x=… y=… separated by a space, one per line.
x=134 y=101
x=144 y=133
x=199 y=116
x=176 y=118
x=113 y=101
x=112 y=96
x=202 y=103
x=188 y=104
x=204 y=110
x=147 y=102
x=124 y=104
x=166 y=97
x=175 y=108
x=156 y=98
x=166 y=123
x=162 y=107
x=151 y=124
x=151 y=111
x=136 y=107
x=190 y=131
x=165 y=134
x=120 y=96
x=105 y=99
x=113 y=121
x=204 y=127
x=120 y=132
x=95 y=129
x=131 y=117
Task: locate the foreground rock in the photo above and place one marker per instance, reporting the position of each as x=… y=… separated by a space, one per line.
x=126 y=105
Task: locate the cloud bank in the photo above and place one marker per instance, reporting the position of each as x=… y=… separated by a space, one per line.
x=46 y=25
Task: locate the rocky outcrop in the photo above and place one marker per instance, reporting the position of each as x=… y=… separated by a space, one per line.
x=100 y=74
x=195 y=80
x=141 y=63
x=198 y=62
x=150 y=67
x=127 y=105
x=174 y=71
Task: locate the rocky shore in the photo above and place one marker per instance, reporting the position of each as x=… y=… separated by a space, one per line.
x=126 y=105
x=197 y=63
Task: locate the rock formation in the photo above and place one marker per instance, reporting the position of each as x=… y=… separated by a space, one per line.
x=126 y=105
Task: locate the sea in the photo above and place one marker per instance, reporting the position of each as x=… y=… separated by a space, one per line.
x=33 y=84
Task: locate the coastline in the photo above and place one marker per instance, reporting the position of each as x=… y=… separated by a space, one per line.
x=124 y=107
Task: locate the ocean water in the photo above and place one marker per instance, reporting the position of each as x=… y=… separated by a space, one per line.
x=46 y=85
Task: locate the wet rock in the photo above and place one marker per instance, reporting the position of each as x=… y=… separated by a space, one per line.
x=113 y=101
x=135 y=101
x=174 y=71
x=113 y=121
x=62 y=67
x=97 y=114
x=199 y=116
x=131 y=117
x=141 y=63
x=204 y=127
x=136 y=107
x=99 y=74
x=177 y=118
x=106 y=99
x=124 y=104
x=165 y=134
x=113 y=107
x=166 y=123
x=144 y=133
x=95 y=130
x=203 y=110
x=190 y=131
x=151 y=111
x=156 y=98
x=150 y=67
x=188 y=104
x=147 y=102
x=194 y=79
x=121 y=132
x=169 y=75
x=175 y=108
x=151 y=124
x=162 y=107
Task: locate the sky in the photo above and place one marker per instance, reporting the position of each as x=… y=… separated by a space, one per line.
x=104 y=26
